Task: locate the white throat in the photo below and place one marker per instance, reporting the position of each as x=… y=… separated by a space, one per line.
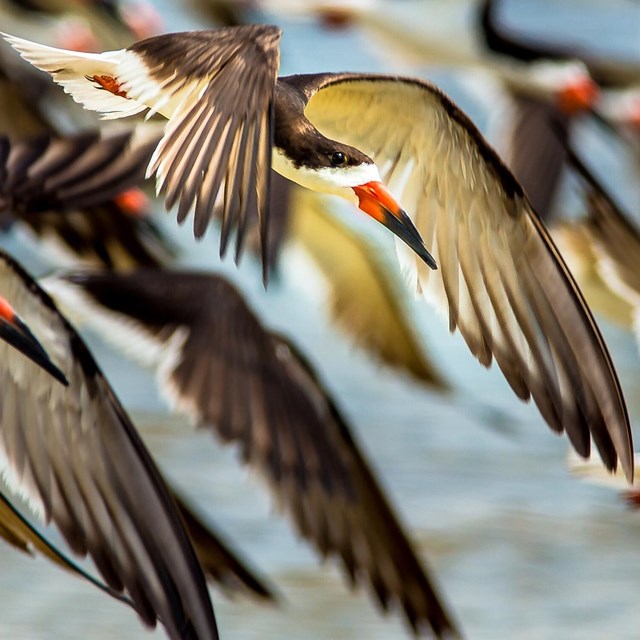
x=331 y=180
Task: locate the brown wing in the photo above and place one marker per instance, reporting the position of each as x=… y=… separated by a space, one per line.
x=256 y=390
x=219 y=86
x=501 y=279
x=75 y=454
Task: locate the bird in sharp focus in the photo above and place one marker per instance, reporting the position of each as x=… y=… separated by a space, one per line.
x=378 y=141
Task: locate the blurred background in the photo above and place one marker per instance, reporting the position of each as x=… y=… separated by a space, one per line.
x=520 y=547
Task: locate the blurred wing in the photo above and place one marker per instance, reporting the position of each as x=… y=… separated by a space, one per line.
x=537 y=134
x=576 y=244
x=74 y=453
x=220 y=563
x=63 y=173
x=615 y=236
x=215 y=87
x=104 y=235
x=364 y=301
x=19 y=533
x=256 y=390
x=500 y=278
x=77 y=192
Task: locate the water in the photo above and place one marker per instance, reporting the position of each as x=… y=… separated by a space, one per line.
x=520 y=548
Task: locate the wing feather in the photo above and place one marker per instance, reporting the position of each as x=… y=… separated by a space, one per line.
x=501 y=280
x=256 y=389
x=74 y=450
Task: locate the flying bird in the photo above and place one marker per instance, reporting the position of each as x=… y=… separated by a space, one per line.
x=79 y=194
x=219 y=365
x=501 y=279
x=73 y=451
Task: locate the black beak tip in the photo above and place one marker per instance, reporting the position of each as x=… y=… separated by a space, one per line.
x=428 y=259
x=20 y=337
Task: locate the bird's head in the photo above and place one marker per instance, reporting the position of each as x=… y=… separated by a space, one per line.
x=568 y=84
x=334 y=168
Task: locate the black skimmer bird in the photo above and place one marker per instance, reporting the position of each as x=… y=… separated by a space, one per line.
x=74 y=453
x=79 y=194
x=216 y=363
x=15 y=332
x=219 y=562
x=501 y=280
x=605 y=71
x=539 y=131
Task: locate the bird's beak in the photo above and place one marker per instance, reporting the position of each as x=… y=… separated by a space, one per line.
x=578 y=96
x=14 y=331
x=375 y=200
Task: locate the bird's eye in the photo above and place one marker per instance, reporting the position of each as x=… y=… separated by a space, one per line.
x=338 y=158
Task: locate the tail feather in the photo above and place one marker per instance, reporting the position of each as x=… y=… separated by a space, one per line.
x=75 y=71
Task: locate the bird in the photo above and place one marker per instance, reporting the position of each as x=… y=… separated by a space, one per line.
x=79 y=195
x=216 y=363
x=500 y=278
x=217 y=559
x=74 y=453
x=606 y=72
x=540 y=131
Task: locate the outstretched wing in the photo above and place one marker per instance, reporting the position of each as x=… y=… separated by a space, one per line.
x=256 y=390
x=215 y=87
x=74 y=453
x=501 y=280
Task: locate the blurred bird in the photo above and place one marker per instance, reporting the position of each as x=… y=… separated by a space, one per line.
x=219 y=562
x=606 y=72
x=104 y=492
x=615 y=239
x=540 y=131
x=78 y=193
x=501 y=279
x=85 y=24
x=216 y=363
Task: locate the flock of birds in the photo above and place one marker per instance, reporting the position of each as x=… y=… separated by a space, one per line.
x=224 y=137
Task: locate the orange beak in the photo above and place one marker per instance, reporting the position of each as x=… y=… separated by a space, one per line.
x=578 y=96
x=133 y=202
x=375 y=200
x=18 y=335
